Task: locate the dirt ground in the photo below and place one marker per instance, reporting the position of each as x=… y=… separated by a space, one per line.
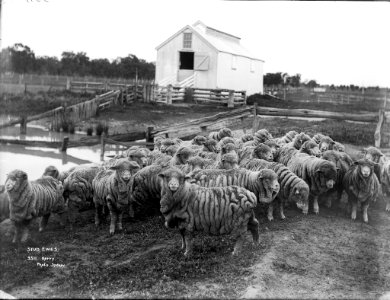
x=314 y=256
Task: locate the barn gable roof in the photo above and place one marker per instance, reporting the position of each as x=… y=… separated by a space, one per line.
x=218 y=40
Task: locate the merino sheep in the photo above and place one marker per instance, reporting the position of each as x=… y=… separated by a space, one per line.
x=264 y=183
x=273 y=145
x=261 y=136
x=298 y=140
x=262 y=151
x=361 y=186
x=229 y=161
x=112 y=189
x=292 y=188
x=343 y=162
x=4 y=204
x=319 y=174
x=223 y=132
x=217 y=211
x=199 y=140
x=326 y=143
x=53 y=172
x=31 y=199
x=210 y=146
x=246 y=137
x=287 y=138
x=310 y=147
x=287 y=153
x=338 y=147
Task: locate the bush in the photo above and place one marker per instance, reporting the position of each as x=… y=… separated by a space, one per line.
x=99 y=129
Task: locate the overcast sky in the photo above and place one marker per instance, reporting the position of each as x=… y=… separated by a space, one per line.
x=331 y=42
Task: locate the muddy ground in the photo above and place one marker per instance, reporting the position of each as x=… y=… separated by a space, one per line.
x=314 y=256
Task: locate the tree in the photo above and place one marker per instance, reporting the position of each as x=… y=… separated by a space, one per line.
x=22 y=58
x=273 y=78
x=312 y=84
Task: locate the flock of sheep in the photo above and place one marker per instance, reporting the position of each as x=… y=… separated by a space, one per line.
x=211 y=184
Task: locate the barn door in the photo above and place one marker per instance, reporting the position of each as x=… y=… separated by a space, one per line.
x=201 y=61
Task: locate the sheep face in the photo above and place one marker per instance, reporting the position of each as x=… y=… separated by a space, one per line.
x=274 y=147
x=263 y=151
x=338 y=147
x=366 y=167
x=124 y=171
x=184 y=154
x=210 y=146
x=326 y=145
x=311 y=148
x=51 y=171
x=14 y=180
x=373 y=154
x=171 y=150
x=229 y=161
x=227 y=148
x=270 y=181
x=165 y=144
x=300 y=195
x=140 y=158
x=199 y=140
x=327 y=174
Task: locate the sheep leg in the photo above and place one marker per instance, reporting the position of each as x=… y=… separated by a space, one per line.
x=270 y=212
x=98 y=214
x=328 y=202
x=43 y=222
x=188 y=244
x=281 y=210
x=354 y=209
x=387 y=199
x=119 y=222
x=365 y=215
x=238 y=245
x=25 y=230
x=183 y=240
x=131 y=210
x=253 y=227
x=316 y=208
x=16 y=232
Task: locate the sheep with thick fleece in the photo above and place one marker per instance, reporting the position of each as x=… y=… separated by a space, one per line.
x=217 y=211
x=319 y=174
x=219 y=135
x=292 y=188
x=261 y=136
x=53 y=172
x=287 y=138
x=298 y=140
x=31 y=199
x=246 y=137
x=338 y=147
x=361 y=186
x=264 y=183
x=4 y=204
x=111 y=188
x=287 y=153
x=343 y=162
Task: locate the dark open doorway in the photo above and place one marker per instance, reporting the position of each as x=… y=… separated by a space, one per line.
x=186 y=60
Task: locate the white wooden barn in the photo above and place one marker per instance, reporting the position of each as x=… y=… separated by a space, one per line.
x=204 y=57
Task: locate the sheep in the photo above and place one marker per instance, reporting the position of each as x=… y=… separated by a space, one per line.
x=361 y=186
x=157 y=142
x=246 y=137
x=210 y=145
x=217 y=211
x=287 y=153
x=287 y=138
x=326 y=143
x=223 y=132
x=318 y=137
x=310 y=147
x=273 y=145
x=338 y=147
x=199 y=140
x=292 y=188
x=112 y=189
x=343 y=162
x=78 y=191
x=181 y=156
x=261 y=136
x=262 y=151
x=318 y=173
x=146 y=188
x=166 y=143
x=298 y=140
x=31 y=199
x=139 y=155
x=4 y=204
x=263 y=183
x=228 y=161
x=53 y=172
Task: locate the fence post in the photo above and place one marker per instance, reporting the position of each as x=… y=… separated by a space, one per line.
x=231 y=99
x=23 y=125
x=65 y=143
x=378 y=130
x=169 y=94
x=188 y=94
x=102 y=146
x=149 y=137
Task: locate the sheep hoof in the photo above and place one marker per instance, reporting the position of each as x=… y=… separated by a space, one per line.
x=112 y=232
x=270 y=219
x=283 y=217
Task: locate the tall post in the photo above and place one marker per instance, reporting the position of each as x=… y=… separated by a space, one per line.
x=23 y=125
x=65 y=143
x=150 y=137
x=102 y=146
x=169 y=94
x=231 y=99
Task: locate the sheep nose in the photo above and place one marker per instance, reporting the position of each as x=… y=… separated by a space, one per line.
x=329 y=184
x=276 y=187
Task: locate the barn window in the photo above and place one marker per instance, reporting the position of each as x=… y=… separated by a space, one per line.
x=187 y=40
x=186 y=60
x=234 y=62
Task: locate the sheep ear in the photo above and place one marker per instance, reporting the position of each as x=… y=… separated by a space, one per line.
x=189 y=179
x=161 y=175
x=24 y=177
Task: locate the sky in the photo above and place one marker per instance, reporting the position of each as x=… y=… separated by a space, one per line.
x=330 y=42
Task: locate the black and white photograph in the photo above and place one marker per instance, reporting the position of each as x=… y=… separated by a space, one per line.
x=197 y=149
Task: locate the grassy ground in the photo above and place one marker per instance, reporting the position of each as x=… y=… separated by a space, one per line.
x=324 y=256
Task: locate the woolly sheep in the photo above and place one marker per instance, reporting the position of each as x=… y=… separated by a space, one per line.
x=4 y=204
x=292 y=188
x=338 y=147
x=112 y=189
x=361 y=186
x=319 y=174
x=262 y=151
x=298 y=140
x=246 y=137
x=31 y=199
x=287 y=138
x=264 y=183
x=217 y=211
x=261 y=136
x=223 y=132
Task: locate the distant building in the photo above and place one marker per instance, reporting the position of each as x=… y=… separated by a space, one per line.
x=204 y=57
